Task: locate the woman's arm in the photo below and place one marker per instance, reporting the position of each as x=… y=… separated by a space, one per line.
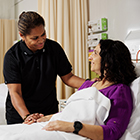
x=91 y=131
x=73 y=81
x=45 y=118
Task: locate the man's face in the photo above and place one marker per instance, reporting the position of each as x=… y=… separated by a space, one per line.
x=36 y=39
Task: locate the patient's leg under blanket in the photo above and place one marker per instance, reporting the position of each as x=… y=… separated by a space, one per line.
x=88 y=106
x=34 y=132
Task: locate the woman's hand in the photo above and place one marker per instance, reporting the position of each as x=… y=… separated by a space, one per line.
x=44 y=118
x=33 y=118
x=59 y=126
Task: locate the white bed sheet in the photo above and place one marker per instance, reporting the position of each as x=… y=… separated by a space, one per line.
x=3 y=94
x=78 y=108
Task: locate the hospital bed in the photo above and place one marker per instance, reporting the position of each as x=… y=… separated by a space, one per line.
x=3 y=94
x=133 y=130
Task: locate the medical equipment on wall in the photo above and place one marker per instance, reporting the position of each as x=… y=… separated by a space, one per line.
x=97 y=26
x=94 y=39
x=132 y=41
x=96 y=31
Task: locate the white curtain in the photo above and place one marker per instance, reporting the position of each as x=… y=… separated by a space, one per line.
x=7 y=37
x=66 y=23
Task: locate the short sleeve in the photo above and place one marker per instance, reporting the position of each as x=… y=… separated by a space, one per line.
x=63 y=65
x=11 y=69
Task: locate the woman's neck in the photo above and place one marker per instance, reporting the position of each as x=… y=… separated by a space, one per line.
x=101 y=84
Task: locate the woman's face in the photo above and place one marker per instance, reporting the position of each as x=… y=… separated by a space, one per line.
x=36 y=39
x=96 y=60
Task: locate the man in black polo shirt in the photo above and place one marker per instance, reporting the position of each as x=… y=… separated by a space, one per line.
x=30 y=70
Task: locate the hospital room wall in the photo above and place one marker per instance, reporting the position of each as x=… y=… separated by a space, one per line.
x=7 y=10
x=24 y=5
x=11 y=9
x=122 y=15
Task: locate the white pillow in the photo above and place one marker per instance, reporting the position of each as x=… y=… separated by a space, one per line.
x=3 y=94
x=133 y=130
x=137 y=69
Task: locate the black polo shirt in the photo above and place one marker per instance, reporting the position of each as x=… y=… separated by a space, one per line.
x=37 y=74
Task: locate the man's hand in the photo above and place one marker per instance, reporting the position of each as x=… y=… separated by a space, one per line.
x=95 y=79
x=33 y=118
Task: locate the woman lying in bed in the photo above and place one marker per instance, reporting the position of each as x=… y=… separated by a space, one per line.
x=112 y=62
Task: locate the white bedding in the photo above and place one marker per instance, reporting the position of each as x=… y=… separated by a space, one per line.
x=133 y=130
x=3 y=94
x=85 y=103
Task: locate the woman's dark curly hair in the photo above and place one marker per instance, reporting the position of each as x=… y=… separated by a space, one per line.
x=116 y=61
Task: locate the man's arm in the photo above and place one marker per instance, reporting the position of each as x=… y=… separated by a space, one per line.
x=73 y=81
x=19 y=104
x=17 y=100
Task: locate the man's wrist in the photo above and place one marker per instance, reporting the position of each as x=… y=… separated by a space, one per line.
x=26 y=116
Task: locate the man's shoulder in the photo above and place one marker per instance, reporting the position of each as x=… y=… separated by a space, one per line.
x=12 y=52
x=52 y=43
x=14 y=47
